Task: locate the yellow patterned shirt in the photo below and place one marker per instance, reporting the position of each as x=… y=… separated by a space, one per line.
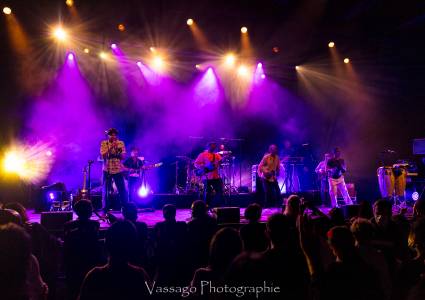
x=112 y=164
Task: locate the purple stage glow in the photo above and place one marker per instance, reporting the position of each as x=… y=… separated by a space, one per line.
x=149 y=75
x=207 y=90
x=259 y=75
x=65 y=118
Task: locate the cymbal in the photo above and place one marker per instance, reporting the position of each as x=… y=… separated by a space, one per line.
x=224 y=152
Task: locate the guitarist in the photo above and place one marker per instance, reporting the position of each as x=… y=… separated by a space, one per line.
x=268 y=170
x=135 y=165
x=207 y=164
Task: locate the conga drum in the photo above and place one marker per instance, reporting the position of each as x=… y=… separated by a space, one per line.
x=386 y=181
x=400 y=178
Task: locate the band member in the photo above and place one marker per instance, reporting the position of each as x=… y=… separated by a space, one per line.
x=322 y=175
x=134 y=165
x=268 y=170
x=207 y=164
x=112 y=151
x=336 y=169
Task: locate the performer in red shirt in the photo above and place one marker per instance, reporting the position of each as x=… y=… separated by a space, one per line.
x=207 y=164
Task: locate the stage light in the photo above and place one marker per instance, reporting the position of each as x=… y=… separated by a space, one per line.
x=152 y=49
x=69 y=2
x=143 y=191
x=263 y=76
x=189 y=22
x=346 y=60
x=275 y=49
x=158 y=63
x=244 y=29
x=14 y=162
x=7 y=10
x=114 y=46
x=197 y=66
x=259 y=65
x=415 y=196
x=49 y=153
x=60 y=34
x=103 y=55
x=121 y=27
x=297 y=68
x=86 y=50
x=51 y=196
x=29 y=162
x=71 y=56
x=331 y=44
x=230 y=60
x=243 y=70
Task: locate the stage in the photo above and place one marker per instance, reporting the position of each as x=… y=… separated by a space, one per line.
x=151 y=217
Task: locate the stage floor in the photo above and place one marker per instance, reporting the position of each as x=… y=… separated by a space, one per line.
x=153 y=217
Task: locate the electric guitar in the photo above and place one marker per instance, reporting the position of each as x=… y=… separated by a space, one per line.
x=207 y=168
x=136 y=172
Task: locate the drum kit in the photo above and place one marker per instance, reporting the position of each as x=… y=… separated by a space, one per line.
x=189 y=181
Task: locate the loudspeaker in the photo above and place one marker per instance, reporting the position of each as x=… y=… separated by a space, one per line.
x=350 y=211
x=54 y=220
x=227 y=214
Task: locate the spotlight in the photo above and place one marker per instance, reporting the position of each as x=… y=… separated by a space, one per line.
x=243 y=70
x=14 y=162
x=70 y=56
x=244 y=29
x=415 y=196
x=346 y=60
x=114 y=46
x=143 y=191
x=189 y=22
x=263 y=76
x=69 y=2
x=275 y=49
x=230 y=59
x=103 y=55
x=139 y=63
x=60 y=34
x=198 y=66
x=49 y=153
x=259 y=65
x=152 y=49
x=86 y=50
x=297 y=68
x=158 y=63
x=7 y=10
x=121 y=27
x=331 y=44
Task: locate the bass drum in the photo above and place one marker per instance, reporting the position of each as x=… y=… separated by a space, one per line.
x=386 y=181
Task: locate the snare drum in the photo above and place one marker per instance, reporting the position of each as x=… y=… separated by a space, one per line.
x=386 y=181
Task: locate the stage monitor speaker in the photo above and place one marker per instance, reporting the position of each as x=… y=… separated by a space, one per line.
x=54 y=220
x=227 y=215
x=350 y=211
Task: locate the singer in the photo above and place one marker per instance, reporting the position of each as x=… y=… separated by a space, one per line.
x=112 y=151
